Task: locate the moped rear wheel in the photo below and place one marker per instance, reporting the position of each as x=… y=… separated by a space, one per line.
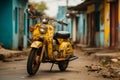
x=63 y=65
x=33 y=62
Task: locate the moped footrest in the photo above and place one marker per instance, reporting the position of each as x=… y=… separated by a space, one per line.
x=73 y=58
x=61 y=59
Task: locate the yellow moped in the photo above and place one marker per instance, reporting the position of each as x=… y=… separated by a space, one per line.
x=49 y=46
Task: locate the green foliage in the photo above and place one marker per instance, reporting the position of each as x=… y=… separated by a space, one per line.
x=40 y=6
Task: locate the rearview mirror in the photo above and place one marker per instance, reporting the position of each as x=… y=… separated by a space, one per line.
x=67 y=15
x=28 y=10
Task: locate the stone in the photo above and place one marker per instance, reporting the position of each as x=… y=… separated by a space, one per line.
x=114 y=60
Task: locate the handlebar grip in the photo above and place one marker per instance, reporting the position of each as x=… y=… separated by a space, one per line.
x=63 y=23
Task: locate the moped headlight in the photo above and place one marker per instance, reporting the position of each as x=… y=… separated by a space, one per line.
x=43 y=29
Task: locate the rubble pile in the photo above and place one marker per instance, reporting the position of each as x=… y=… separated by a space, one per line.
x=6 y=55
x=94 y=68
x=107 y=68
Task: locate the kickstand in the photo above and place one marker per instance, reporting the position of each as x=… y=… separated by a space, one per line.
x=52 y=66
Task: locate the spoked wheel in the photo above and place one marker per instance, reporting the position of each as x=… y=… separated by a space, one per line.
x=63 y=65
x=33 y=62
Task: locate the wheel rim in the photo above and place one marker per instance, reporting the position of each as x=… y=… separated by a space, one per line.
x=33 y=62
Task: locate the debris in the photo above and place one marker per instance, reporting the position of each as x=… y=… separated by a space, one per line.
x=93 y=68
x=108 y=71
x=114 y=60
x=89 y=52
x=111 y=73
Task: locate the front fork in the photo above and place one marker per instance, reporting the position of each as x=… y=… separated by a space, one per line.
x=42 y=53
x=37 y=45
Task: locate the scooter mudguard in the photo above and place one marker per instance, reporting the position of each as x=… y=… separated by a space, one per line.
x=36 y=44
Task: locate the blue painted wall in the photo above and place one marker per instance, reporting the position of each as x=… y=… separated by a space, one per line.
x=119 y=35
x=61 y=15
x=97 y=29
x=81 y=28
x=6 y=23
x=9 y=23
x=17 y=5
x=69 y=27
x=101 y=35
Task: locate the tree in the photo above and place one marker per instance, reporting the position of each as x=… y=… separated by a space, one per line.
x=40 y=6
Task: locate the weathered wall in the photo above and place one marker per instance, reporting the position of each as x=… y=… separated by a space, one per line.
x=81 y=28
x=119 y=23
x=19 y=5
x=61 y=15
x=102 y=25
x=6 y=23
x=9 y=22
x=106 y=24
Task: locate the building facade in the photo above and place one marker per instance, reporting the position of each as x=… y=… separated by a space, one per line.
x=61 y=15
x=13 y=23
x=98 y=23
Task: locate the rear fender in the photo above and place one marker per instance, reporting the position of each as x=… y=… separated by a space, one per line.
x=36 y=44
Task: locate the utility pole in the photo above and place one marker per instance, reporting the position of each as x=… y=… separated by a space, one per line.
x=66 y=11
x=66 y=4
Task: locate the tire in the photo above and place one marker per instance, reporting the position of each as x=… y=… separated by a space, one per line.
x=63 y=65
x=32 y=64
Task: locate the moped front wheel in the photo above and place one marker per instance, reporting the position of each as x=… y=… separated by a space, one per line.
x=33 y=62
x=63 y=65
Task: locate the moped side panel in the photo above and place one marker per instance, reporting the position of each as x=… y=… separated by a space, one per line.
x=66 y=47
x=36 y=44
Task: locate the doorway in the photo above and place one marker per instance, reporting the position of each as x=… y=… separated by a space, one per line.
x=21 y=28
x=114 y=24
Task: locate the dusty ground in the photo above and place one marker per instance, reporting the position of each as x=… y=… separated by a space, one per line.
x=77 y=70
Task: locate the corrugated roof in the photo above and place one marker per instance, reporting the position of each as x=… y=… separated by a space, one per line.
x=83 y=6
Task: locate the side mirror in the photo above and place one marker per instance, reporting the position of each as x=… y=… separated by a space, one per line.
x=31 y=29
x=63 y=23
x=67 y=15
x=29 y=11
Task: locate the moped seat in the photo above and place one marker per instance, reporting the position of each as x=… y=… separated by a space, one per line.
x=62 y=34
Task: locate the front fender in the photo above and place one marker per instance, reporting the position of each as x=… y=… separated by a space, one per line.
x=36 y=44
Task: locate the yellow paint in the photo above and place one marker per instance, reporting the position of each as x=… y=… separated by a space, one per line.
x=36 y=34
x=119 y=11
x=36 y=44
x=66 y=48
x=49 y=38
x=63 y=45
x=106 y=23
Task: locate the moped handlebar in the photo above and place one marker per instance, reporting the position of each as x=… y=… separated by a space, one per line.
x=63 y=23
x=34 y=16
x=60 y=22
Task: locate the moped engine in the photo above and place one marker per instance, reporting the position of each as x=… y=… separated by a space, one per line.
x=54 y=45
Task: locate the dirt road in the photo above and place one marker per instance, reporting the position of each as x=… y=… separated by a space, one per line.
x=76 y=70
